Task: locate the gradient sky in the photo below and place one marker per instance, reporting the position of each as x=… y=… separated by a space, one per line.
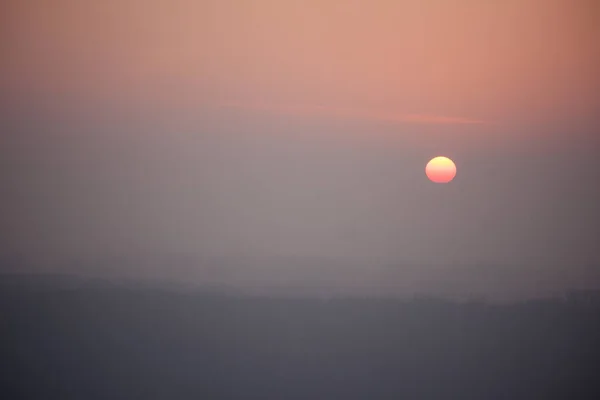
x=266 y=140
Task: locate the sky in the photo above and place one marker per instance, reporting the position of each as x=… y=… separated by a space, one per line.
x=272 y=143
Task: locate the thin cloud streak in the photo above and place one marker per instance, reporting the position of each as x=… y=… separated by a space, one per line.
x=353 y=113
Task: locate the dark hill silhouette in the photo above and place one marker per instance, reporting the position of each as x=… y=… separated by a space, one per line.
x=72 y=339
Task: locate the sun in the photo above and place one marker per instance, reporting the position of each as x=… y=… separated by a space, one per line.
x=440 y=170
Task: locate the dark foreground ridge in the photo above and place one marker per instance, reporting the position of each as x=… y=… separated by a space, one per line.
x=99 y=341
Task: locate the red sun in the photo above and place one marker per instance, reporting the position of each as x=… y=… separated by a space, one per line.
x=440 y=170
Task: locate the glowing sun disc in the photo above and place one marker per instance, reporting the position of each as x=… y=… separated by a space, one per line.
x=440 y=170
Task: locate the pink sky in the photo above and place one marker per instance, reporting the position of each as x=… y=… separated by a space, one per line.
x=509 y=61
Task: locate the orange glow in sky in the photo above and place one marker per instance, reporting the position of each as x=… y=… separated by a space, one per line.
x=505 y=61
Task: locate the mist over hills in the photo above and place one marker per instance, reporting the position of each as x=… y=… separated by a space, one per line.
x=303 y=276
x=66 y=337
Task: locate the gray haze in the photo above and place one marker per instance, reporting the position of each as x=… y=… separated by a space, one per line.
x=235 y=198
